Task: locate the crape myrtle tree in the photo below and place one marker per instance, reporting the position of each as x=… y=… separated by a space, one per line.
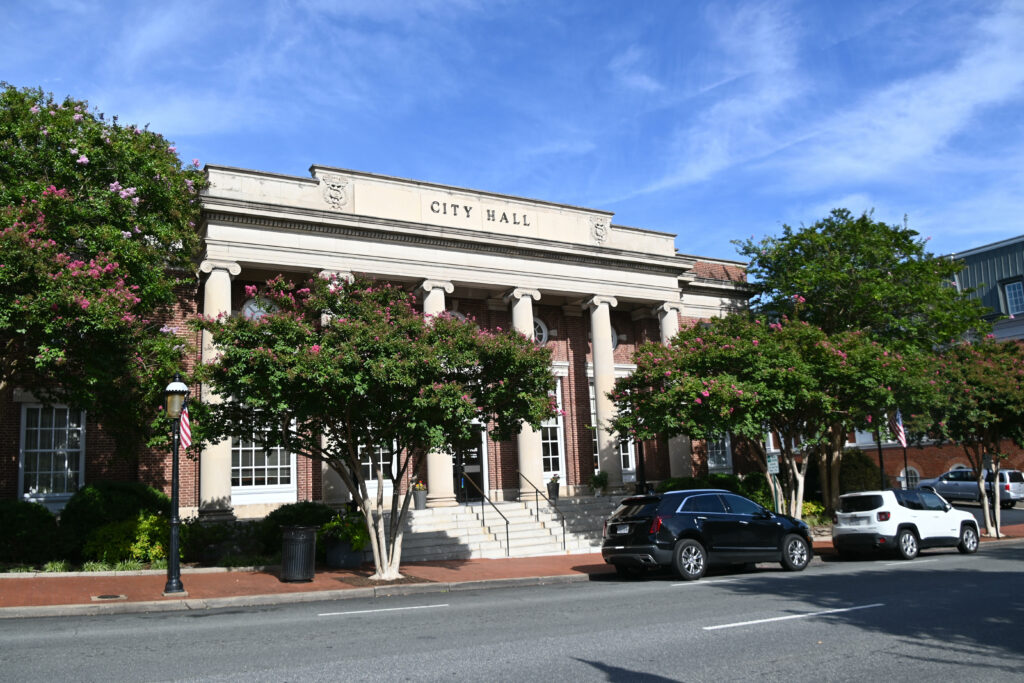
x=753 y=378
x=97 y=229
x=336 y=369
x=849 y=273
x=980 y=403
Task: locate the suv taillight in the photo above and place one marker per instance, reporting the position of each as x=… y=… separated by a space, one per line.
x=883 y=516
x=1006 y=487
x=655 y=525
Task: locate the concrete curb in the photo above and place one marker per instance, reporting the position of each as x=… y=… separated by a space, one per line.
x=195 y=604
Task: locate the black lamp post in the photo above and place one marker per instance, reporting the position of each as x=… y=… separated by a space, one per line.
x=174 y=402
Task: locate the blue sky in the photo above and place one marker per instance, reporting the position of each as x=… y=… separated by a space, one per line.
x=712 y=120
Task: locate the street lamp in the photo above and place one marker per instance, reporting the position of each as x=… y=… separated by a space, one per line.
x=174 y=402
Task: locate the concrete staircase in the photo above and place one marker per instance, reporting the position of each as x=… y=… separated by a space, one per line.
x=466 y=531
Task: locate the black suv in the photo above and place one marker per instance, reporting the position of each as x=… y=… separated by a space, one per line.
x=687 y=530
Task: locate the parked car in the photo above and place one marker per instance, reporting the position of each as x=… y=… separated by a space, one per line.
x=953 y=485
x=901 y=521
x=688 y=530
x=1011 y=486
x=962 y=484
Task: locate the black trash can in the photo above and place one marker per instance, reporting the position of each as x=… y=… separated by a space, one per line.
x=298 y=553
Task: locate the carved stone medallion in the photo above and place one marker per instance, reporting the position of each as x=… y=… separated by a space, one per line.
x=335 y=190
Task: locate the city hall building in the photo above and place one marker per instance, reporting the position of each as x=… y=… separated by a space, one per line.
x=589 y=289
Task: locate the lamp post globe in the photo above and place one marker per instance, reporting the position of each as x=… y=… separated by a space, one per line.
x=174 y=402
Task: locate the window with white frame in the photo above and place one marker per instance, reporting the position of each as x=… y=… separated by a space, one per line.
x=551 y=437
x=540 y=331
x=1014 y=298
x=720 y=454
x=909 y=478
x=52 y=452
x=377 y=457
x=254 y=465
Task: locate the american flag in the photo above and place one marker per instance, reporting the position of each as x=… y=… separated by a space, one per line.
x=186 y=428
x=896 y=427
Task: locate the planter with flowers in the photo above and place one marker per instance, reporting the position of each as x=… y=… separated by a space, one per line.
x=344 y=539
x=553 y=487
x=419 y=495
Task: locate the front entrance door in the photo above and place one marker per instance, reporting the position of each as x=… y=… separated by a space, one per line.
x=468 y=459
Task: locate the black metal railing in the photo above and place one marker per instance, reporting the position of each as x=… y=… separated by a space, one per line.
x=483 y=519
x=537 y=495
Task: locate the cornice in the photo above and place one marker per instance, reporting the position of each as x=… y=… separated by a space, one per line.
x=435 y=237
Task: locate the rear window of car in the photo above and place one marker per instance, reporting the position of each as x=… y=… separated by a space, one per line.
x=1015 y=476
x=860 y=503
x=637 y=507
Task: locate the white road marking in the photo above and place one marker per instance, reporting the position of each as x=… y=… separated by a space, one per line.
x=702 y=583
x=374 y=611
x=907 y=563
x=793 y=616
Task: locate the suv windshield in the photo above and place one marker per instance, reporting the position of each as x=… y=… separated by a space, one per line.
x=860 y=503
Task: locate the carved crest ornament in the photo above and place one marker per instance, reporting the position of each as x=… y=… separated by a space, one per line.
x=335 y=190
x=599 y=231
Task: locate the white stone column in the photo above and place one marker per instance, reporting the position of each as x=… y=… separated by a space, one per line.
x=528 y=443
x=215 y=460
x=604 y=382
x=668 y=319
x=440 y=468
x=332 y=487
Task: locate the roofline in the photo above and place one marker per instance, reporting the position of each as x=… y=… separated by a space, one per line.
x=985 y=247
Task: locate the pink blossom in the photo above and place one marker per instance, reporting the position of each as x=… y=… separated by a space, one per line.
x=698 y=400
x=77 y=117
x=84 y=160
x=705 y=393
x=195 y=162
x=172 y=149
x=34 y=109
x=315 y=348
x=755 y=342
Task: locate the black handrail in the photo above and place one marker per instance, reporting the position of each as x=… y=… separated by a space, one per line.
x=483 y=519
x=537 y=492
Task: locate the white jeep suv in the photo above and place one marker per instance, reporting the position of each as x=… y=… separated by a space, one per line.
x=901 y=520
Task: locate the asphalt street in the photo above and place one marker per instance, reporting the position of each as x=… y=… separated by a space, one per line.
x=942 y=616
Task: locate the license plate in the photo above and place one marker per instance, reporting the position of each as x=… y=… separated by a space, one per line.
x=622 y=528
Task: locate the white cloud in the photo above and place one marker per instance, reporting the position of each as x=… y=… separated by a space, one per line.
x=626 y=68
x=907 y=123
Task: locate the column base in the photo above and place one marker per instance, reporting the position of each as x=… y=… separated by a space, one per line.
x=215 y=515
x=441 y=502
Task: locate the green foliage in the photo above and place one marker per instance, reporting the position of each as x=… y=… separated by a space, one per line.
x=56 y=566
x=104 y=502
x=812 y=511
x=729 y=482
x=94 y=566
x=859 y=472
x=28 y=532
x=599 y=482
x=847 y=273
x=755 y=486
x=293 y=514
x=143 y=539
x=350 y=527
x=97 y=229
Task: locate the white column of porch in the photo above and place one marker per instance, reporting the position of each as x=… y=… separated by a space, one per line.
x=604 y=381
x=528 y=442
x=440 y=469
x=215 y=460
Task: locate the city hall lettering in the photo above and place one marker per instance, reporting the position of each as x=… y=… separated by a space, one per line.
x=491 y=215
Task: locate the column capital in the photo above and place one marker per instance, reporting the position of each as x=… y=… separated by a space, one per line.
x=210 y=265
x=343 y=275
x=431 y=285
x=599 y=300
x=522 y=293
x=668 y=307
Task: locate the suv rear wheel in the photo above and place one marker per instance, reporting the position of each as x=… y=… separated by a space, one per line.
x=795 y=554
x=906 y=544
x=968 y=540
x=690 y=559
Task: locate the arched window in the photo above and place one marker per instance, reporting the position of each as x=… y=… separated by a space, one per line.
x=540 y=331
x=909 y=478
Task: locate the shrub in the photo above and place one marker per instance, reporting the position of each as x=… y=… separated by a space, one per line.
x=350 y=527
x=294 y=514
x=755 y=486
x=93 y=566
x=729 y=482
x=143 y=539
x=28 y=532
x=599 y=482
x=682 y=484
x=54 y=566
x=105 y=502
x=859 y=471
x=812 y=512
